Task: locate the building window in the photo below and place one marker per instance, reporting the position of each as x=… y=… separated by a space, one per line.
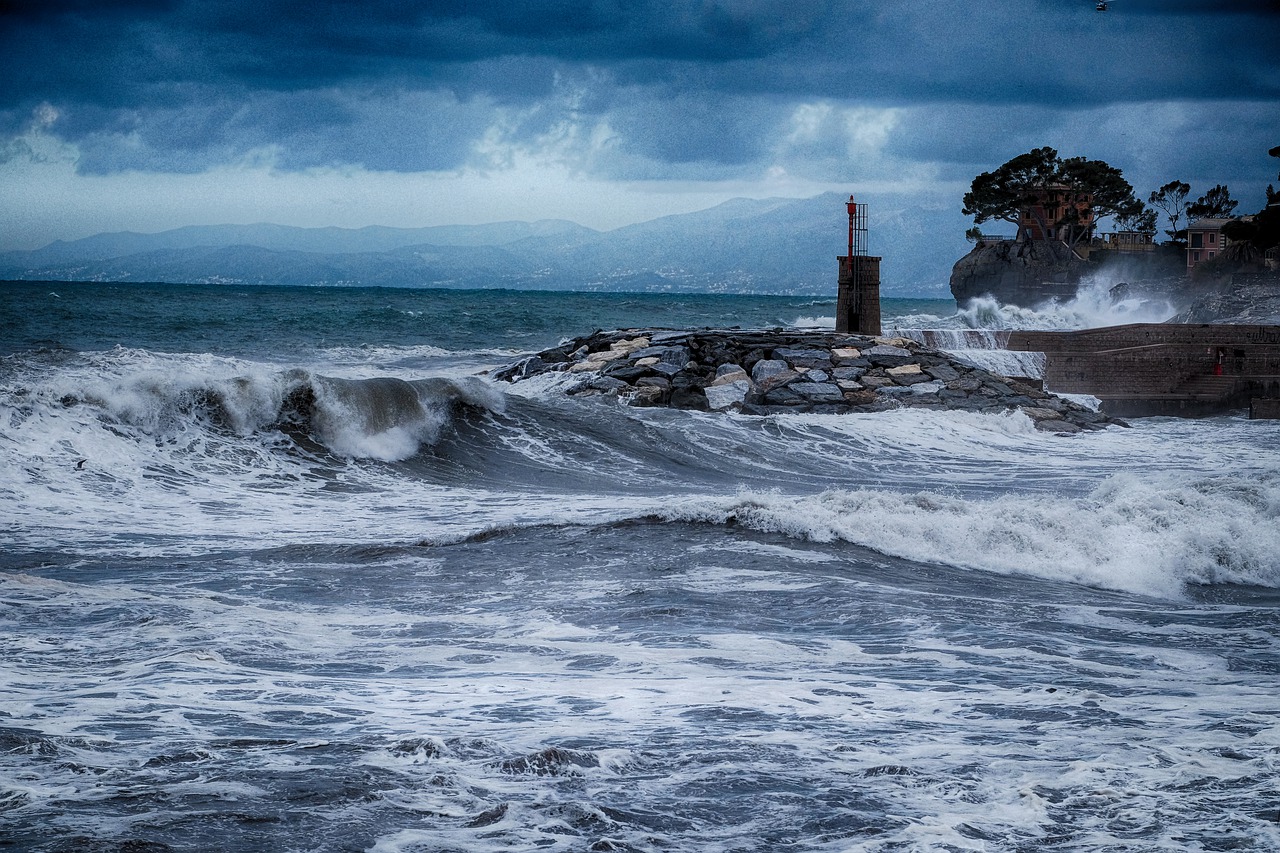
x=1213 y=238
x=1197 y=240
x=1212 y=253
x=1195 y=256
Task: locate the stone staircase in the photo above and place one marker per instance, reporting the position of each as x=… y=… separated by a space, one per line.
x=1196 y=396
x=1207 y=388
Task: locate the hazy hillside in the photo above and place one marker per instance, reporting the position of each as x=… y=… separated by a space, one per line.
x=744 y=245
x=374 y=238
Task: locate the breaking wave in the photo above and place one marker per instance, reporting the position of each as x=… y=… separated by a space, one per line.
x=1145 y=535
x=1093 y=305
x=190 y=452
x=383 y=418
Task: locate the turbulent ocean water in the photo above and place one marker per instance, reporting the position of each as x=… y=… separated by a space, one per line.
x=280 y=569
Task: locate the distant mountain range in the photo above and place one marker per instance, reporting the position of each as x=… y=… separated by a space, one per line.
x=783 y=246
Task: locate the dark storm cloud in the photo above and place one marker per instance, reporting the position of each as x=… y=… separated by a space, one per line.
x=689 y=129
x=178 y=84
x=1202 y=8
x=89 y=48
x=316 y=128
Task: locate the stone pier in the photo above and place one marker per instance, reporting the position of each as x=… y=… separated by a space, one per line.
x=776 y=371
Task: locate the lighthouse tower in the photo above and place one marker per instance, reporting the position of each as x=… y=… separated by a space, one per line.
x=858 y=293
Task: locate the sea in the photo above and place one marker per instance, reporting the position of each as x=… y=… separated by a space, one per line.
x=282 y=569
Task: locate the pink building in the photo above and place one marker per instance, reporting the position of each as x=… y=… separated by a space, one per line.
x=1204 y=240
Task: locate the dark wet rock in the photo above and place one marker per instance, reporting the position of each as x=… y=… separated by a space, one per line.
x=689 y=398
x=816 y=391
x=1038 y=414
x=889 y=770
x=895 y=391
x=488 y=817
x=607 y=383
x=666 y=368
x=783 y=397
x=679 y=356
x=730 y=372
x=648 y=395
x=629 y=373
x=779 y=371
x=887 y=356
x=967 y=384
x=425 y=747
x=907 y=374
x=803 y=357
x=943 y=372
x=777 y=380
x=554 y=761
x=727 y=395
x=887 y=349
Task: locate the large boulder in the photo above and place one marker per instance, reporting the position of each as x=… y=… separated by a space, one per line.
x=1026 y=273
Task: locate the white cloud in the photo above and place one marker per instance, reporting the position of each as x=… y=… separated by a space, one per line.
x=868 y=129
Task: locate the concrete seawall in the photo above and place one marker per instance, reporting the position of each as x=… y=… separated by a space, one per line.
x=1161 y=369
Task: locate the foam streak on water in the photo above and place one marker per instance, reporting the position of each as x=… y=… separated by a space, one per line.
x=721 y=692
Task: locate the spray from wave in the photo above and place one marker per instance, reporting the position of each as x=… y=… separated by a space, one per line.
x=1094 y=305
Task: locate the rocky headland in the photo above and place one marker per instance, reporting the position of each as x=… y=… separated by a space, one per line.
x=778 y=371
x=1026 y=273
x=1031 y=274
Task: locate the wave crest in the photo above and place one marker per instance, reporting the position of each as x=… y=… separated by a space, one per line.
x=1134 y=534
x=383 y=418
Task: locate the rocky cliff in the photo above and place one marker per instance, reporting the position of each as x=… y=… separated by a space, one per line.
x=1026 y=273
x=1247 y=299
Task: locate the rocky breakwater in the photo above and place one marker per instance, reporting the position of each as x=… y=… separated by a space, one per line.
x=776 y=371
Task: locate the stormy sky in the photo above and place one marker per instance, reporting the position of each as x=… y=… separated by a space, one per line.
x=151 y=114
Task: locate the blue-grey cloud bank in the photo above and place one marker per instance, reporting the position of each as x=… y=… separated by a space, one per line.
x=644 y=102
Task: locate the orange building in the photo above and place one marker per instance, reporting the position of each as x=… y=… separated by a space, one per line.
x=1056 y=212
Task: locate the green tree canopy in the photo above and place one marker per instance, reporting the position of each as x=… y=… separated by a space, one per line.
x=1003 y=193
x=1238 y=231
x=1216 y=203
x=1143 y=220
x=1272 y=195
x=1172 y=199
